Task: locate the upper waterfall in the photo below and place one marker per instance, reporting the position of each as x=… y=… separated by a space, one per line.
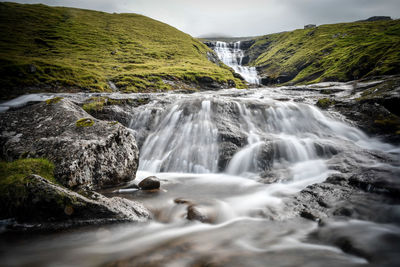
x=232 y=56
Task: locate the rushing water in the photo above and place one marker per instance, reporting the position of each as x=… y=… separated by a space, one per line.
x=232 y=55
x=237 y=157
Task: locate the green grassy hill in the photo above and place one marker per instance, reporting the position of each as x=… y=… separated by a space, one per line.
x=336 y=52
x=65 y=49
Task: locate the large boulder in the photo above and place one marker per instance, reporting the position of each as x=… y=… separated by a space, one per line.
x=46 y=205
x=87 y=152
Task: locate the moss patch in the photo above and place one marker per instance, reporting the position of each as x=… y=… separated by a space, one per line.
x=54 y=100
x=325 y=103
x=16 y=171
x=84 y=122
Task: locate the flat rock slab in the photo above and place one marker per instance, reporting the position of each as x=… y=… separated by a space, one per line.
x=87 y=152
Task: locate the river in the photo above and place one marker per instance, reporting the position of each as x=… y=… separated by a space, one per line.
x=234 y=161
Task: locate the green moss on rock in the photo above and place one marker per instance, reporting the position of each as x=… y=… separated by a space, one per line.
x=16 y=171
x=54 y=100
x=84 y=122
x=325 y=103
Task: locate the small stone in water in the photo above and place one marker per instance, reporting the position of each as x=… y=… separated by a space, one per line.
x=150 y=183
x=182 y=201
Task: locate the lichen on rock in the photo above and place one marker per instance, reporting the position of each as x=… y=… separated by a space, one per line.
x=97 y=156
x=84 y=122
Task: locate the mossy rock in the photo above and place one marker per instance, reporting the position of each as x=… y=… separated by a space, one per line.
x=84 y=122
x=54 y=100
x=325 y=103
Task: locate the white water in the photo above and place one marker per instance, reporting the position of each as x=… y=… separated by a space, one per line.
x=295 y=143
x=232 y=56
x=182 y=142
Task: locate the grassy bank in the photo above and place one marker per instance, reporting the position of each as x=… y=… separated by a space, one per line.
x=336 y=52
x=55 y=48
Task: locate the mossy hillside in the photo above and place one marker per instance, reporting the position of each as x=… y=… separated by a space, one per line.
x=336 y=52
x=65 y=48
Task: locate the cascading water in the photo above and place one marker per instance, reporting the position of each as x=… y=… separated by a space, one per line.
x=184 y=141
x=231 y=161
x=231 y=55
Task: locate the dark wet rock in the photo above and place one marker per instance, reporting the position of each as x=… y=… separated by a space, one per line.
x=95 y=154
x=48 y=205
x=309 y=215
x=150 y=183
x=183 y=201
x=32 y=68
x=359 y=192
x=282 y=78
x=325 y=103
x=226 y=152
x=376 y=243
x=197 y=213
x=208 y=82
x=376 y=110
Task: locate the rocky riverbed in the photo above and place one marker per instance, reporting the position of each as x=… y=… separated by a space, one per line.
x=277 y=174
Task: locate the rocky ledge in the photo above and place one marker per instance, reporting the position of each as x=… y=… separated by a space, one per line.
x=42 y=205
x=79 y=154
x=87 y=152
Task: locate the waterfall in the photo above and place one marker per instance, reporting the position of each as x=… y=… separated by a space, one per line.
x=189 y=135
x=184 y=141
x=231 y=55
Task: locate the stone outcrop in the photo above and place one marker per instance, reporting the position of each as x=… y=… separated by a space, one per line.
x=87 y=152
x=46 y=205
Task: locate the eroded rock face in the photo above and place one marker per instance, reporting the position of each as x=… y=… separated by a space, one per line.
x=46 y=202
x=86 y=153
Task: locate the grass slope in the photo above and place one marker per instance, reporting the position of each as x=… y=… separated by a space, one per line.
x=336 y=52
x=58 y=48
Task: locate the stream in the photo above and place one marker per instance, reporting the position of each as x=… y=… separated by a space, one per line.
x=233 y=161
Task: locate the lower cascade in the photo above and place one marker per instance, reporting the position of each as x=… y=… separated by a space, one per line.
x=247 y=177
x=231 y=55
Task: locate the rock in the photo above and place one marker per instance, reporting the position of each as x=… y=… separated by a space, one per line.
x=150 y=183
x=325 y=103
x=41 y=201
x=32 y=68
x=183 y=201
x=208 y=83
x=113 y=86
x=309 y=26
x=211 y=56
x=202 y=214
x=86 y=152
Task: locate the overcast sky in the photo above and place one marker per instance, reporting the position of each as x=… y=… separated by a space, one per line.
x=240 y=17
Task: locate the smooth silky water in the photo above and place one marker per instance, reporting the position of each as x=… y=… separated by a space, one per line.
x=284 y=147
